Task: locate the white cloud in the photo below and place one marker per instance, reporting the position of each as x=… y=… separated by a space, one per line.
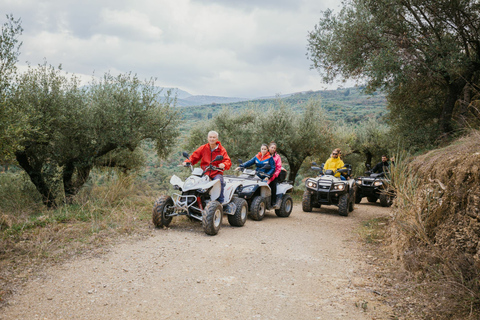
x=229 y=48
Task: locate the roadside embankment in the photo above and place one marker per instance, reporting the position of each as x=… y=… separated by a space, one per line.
x=436 y=234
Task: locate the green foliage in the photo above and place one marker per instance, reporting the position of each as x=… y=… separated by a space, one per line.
x=350 y=105
x=75 y=128
x=397 y=45
x=12 y=123
x=372 y=139
x=298 y=134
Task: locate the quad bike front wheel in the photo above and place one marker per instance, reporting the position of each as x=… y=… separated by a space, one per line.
x=385 y=199
x=239 y=218
x=285 y=207
x=358 y=197
x=307 y=201
x=160 y=210
x=212 y=218
x=343 y=205
x=258 y=208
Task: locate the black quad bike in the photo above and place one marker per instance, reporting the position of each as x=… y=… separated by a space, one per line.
x=374 y=186
x=326 y=189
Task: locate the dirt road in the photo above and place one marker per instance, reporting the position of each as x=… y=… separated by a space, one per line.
x=307 y=266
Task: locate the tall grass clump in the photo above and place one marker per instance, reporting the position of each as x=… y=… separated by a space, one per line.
x=436 y=230
x=31 y=235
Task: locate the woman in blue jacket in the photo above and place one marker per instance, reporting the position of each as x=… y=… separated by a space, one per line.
x=260 y=160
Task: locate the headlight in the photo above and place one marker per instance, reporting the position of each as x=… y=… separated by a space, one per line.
x=311 y=184
x=176 y=187
x=248 y=189
x=377 y=183
x=202 y=190
x=358 y=182
x=339 y=187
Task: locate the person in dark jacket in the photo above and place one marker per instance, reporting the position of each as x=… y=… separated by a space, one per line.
x=260 y=160
x=381 y=166
x=206 y=153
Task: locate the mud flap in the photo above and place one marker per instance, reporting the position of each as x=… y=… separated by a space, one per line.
x=229 y=208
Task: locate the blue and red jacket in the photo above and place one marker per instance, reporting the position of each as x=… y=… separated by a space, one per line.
x=260 y=161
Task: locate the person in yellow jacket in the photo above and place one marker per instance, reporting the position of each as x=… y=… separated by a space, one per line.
x=334 y=163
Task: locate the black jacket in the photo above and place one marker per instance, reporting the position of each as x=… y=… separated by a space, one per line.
x=381 y=167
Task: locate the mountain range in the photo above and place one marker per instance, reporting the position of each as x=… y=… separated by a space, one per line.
x=185 y=99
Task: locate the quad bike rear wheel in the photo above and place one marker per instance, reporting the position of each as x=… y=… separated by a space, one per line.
x=212 y=218
x=240 y=216
x=160 y=210
x=285 y=207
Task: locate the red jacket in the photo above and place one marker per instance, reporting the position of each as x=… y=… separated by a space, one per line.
x=206 y=155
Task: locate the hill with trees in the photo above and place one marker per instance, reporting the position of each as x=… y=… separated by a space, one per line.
x=351 y=105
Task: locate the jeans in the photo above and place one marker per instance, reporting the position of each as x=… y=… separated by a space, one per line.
x=273 y=187
x=220 y=177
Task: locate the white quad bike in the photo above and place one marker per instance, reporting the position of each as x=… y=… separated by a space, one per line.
x=198 y=201
x=251 y=187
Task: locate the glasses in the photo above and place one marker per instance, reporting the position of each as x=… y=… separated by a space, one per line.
x=335 y=154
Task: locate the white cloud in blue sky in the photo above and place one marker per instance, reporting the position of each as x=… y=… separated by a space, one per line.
x=225 y=48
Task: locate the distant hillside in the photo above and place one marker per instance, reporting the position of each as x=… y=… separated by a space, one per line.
x=185 y=99
x=349 y=104
x=205 y=100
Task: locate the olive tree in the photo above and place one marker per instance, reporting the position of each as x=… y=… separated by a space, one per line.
x=237 y=133
x=372 y=139
x=298 y=135
x=12 y=123
x=74 y=127
x=429 y=47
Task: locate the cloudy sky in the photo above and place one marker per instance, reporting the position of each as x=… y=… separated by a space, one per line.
x=233 y=48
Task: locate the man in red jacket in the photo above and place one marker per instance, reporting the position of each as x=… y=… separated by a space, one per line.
x=206 y=154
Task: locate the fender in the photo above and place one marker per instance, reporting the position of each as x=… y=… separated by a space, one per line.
x=176 y=181
x=228 y=191
x=216 y=188
x=284 y=188
x=265 y=190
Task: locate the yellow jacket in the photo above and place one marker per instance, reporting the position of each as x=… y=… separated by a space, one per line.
x=334 y=164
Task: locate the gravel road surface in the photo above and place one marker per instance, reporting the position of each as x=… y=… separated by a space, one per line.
x=308 y=266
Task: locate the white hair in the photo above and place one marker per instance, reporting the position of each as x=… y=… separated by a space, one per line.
x=213 y=132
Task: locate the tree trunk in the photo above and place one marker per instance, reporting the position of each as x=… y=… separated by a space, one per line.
x=293 y=172
x=369 y=156
x=36 y=176
x=454 y=92
x=461 y=116
x=71 y=186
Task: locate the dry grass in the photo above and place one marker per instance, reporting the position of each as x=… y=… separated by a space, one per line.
x=436 y=229
x=32 y=236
